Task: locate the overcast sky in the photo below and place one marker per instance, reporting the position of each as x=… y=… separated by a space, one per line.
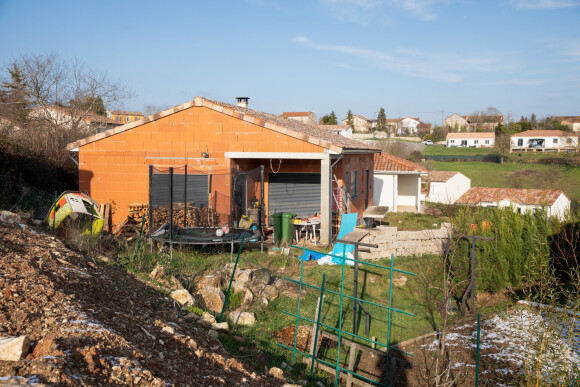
x=419 y=58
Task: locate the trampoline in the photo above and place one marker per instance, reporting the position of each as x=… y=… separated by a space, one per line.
x=205 y=235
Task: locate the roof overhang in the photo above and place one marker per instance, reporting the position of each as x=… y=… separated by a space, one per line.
x=280 y=155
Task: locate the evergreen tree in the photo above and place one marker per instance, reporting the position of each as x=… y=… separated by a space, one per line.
x=350 y=119
x=382 y=120
x=329 y=119
x=16 y=105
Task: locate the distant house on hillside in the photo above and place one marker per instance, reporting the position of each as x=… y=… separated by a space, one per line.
x=470 y=139
x=397 y=183
x=407 y=126
x=122 y=116
x=445 y=186
x=544 y=140
x=361 y=124
x=573 y=122
x=456 y=123
x=522 y=200
x=343 y=130
x=67 y=118
x=304 y=117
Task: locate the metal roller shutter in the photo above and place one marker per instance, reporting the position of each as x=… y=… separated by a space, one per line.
x=197 y=189
x=298 y=193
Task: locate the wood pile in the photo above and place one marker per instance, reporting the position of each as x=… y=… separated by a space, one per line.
x=196 y=217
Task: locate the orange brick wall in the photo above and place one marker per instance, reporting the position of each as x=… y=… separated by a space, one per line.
x=115 y=169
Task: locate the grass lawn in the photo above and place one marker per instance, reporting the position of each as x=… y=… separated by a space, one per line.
x=537 y=176
x=436 y=150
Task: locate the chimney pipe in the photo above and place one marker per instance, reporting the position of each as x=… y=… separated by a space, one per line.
x=243 y=101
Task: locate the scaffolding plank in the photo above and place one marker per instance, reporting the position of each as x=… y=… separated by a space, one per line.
x=356 y=235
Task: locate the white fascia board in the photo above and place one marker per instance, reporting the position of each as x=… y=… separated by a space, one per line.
x=275 y=155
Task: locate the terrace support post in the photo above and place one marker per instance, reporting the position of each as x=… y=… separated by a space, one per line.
x=395 y=191
x=418 y=202
x=171 y=212
x=325 y=199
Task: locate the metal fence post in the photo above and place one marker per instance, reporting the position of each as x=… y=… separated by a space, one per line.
x=389 y=322
x=315 y=338
x=231 y=280
x=477 y=351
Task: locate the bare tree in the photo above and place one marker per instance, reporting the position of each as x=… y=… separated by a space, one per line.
x=66 y=93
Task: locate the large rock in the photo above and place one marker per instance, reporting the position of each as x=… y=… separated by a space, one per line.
x=221 y=327
x=174 y=283
x=261 y=276
x=213 y=298
x=158 y=273
x=243 y=318
x=206 y=320
x=270 y=292
x=243 y=276
x=183 y=297
x=209 y=281
x=14 y=348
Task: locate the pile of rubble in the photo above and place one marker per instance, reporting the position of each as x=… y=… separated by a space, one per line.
x=69 y=319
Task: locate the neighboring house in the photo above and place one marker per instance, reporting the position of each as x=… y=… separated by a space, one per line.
x=407 y=126
x=122 y=117
x=522 y=200
x=304 y=117
x=445 y=186
x=360 y=124
x=573 y=122
x=302 y=163
x=343 y=130
x=544 y=140
x=457 y=123
x=397 y=183
x=470 y=139
x=68 y=117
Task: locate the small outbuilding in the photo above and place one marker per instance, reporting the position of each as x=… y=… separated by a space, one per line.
x=397 y=183
x=521 y=200
x=445 y=186
x=218 y=145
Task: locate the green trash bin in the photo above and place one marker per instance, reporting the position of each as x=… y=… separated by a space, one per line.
x=278 y=227
x=287 y=227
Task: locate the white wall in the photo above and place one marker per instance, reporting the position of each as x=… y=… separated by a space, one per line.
x=449 y=191
x=561 y=142
x=407 y=190
x=383 y=190
x=472 y=142
x=561 y=207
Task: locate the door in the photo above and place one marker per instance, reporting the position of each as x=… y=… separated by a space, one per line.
x=298 y=193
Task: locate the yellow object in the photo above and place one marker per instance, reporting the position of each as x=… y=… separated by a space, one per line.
x=76 y=206
x=245 y=222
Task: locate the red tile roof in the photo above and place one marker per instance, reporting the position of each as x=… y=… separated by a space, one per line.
x=126 y=113
x=389 y=163
x=441 y=176
x=293 y=128
x=363 y=117
x=295 y=114
x=543 y=133
x=471 y=135
x=477 y=195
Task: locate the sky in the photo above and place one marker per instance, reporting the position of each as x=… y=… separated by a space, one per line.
x=419 y=58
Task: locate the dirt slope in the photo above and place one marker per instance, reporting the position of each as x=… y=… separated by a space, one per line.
x=94 y=324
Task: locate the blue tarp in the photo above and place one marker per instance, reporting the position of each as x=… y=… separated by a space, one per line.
x=347 y=225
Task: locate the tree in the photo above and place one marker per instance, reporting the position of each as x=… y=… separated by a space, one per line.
x=350 y=119
x=479 y=118
x=382 y=120
x=14 y=102
x=49 y=81
x=329 y=119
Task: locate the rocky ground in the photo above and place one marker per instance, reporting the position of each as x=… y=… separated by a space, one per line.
x=84 y=322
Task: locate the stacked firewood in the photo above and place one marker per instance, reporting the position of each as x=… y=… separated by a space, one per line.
x=196 y=217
